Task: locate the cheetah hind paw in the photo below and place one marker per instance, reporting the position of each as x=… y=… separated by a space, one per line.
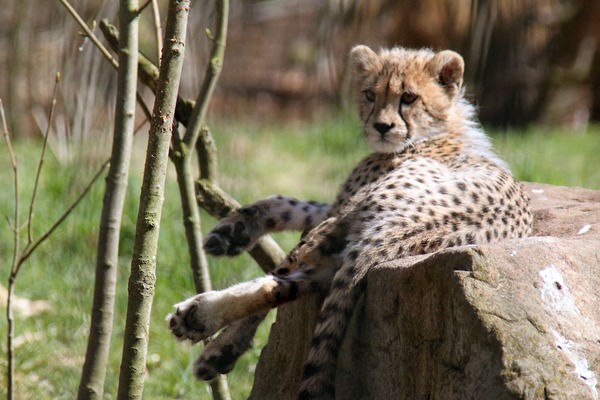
x=214 y=361
x=221 y=353
x=234 y=234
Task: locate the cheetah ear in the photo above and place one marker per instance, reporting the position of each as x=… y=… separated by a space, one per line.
x=448 y=68
x=363 y=60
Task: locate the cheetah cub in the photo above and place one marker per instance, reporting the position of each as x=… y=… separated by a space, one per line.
x=433 y=182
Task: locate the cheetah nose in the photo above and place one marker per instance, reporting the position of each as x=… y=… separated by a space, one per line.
x=382 y=128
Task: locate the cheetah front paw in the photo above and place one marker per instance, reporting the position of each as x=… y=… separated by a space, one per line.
x=234 y=234
x=195 y=319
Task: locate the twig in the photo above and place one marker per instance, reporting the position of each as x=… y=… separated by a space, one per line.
x=19 y=257
x=103 y=50
x=90 y=34
x=211 y=76
x=41 y=163
x=157 y=30
x=147 y=72
x=14 y=267
x=207 y=156
x=34 y=245
x=143 y=7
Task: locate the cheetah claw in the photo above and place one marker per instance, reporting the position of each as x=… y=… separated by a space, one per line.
x=233 y=235
x=194 y=320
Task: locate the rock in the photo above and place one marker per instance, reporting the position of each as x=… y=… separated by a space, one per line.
x=514 y=320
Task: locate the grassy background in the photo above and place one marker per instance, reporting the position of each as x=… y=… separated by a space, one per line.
x=307 y=160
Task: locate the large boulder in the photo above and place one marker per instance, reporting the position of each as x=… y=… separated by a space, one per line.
x=515 y=320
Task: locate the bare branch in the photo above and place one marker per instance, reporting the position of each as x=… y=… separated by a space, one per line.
x=157 y=29
x=207 y=156
x=15 y=262
x=210 y=78
x=147 y=72
x=145 y=5
x=90 y=34
x=19 y=257
x=34 y=245
x=102 y=49
x=41 y=162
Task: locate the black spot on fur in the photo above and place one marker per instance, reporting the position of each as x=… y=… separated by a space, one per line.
x=333 y=245
x=470 y=239
x=353 y=255
x=240 y=237
x=248 y=211
x=226 y=358
x=308 y=221
x=293 y=290
x=311 y=369
x=286 y=216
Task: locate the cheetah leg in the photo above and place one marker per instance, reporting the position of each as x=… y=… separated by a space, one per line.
x=203 y=315
x=308 y=268
x=221 y=354
x=241 y=229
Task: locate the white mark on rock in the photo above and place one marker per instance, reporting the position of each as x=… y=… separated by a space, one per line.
x=513 y=253
x=582 y=368
x=584 y=229
x=537 y=190
x=555 y=292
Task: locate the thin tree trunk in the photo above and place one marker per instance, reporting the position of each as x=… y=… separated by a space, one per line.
x=143 y=266
x=10 y=373
x=182 y=156
x=93 y=374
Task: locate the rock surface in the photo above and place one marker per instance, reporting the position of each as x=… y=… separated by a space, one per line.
x=515 y=320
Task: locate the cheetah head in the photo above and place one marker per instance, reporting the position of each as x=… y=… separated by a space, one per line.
x=405 y=96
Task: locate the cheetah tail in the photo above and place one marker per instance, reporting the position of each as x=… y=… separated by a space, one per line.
x=318 y=380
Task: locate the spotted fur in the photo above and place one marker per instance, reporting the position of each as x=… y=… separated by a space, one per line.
x=433 y=182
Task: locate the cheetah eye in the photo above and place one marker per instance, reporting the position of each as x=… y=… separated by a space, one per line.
x=408 y=97
x=369 y=95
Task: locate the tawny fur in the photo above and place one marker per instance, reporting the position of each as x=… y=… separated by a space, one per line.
x=433 y=182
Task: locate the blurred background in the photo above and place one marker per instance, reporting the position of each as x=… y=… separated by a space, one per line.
x=527 y=61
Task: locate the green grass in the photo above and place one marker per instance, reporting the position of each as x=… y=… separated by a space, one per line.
x=307 y=160
x=553 y=157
